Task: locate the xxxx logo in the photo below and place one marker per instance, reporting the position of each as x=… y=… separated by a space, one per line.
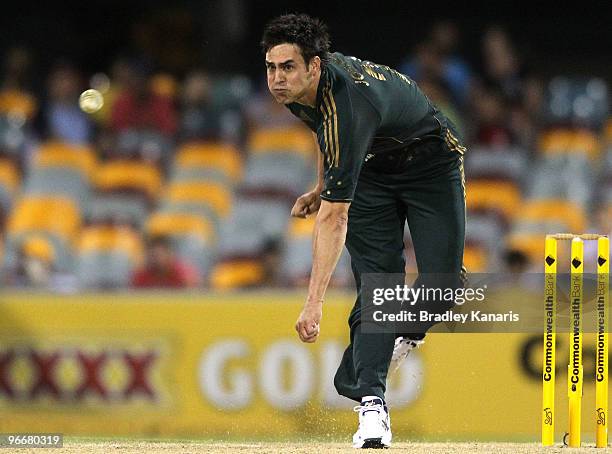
x=71 y=374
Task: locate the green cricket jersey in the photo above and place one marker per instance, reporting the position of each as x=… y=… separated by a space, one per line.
x=363 y=108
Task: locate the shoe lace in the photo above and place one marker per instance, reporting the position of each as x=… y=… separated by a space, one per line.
x=369 y=406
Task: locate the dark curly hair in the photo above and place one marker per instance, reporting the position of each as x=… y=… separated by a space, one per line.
x=308 y=33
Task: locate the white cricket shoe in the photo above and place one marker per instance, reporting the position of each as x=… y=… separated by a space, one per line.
x=374 y=425
x=401 y=350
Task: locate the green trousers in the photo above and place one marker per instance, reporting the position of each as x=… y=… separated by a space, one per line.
x=427 y=189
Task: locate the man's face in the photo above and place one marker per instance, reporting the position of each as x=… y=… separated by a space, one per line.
x=288 y=75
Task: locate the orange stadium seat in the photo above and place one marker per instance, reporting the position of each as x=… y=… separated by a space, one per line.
x=115 y=239
x=221 y=156
x=560 y=141
x=503 y=197
x=212 y=194
x=237 y=274
x=40 y=247
x=57 y=154
x=56 y=215
x=129 y=176
x=475 y=258
x=300 y=228
x=172 y=224
x=551 y=211
x=164 y=85
x=9 y=176
x=17 y=103
x=193 y=237
x=297 y=140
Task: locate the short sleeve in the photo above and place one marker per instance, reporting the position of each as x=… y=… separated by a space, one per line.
x=349 y=124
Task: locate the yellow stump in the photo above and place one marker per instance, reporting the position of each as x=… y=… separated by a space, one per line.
x=574 y=372
x=548 y=365
x=601 y=369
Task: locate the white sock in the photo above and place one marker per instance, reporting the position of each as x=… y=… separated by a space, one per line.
x=367 y=398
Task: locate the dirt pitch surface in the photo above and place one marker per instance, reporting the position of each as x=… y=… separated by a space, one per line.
x=146 y=447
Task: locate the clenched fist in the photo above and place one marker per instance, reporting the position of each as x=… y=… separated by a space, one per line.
x=307 y=325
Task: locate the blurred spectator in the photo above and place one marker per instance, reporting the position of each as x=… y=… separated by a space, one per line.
x=162 y=269
x=61 y=118
x=438 y=57
x=199 y=120
x=15 y=84
x=491 y=118
x=526 y=116
x=521 y=94
x=271 y=262
x=137 y=107
x=502 y=66
x=33 y=266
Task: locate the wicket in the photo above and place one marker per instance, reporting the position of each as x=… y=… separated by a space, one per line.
x=575 y=377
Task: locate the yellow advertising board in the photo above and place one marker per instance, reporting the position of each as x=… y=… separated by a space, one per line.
x=231 y=366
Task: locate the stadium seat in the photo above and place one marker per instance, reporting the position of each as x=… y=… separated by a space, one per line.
x=107 y=256
x=500 y=197
x=40 y=247
x=16 y=102
x=562 y=141
x=129 y=176
x=146 y=145
x=203 y=174
x=192 y=236
x=251 y=224
x=552 y=214
x=58 y=154
x=277 y=174
x=210 y=155
x=9 y=182
x=496 y=164
x=211 y=194
x=566 y=176
x=55 y=218
x=294 y=140
x=58 y=181
x=237 y=274
x=173 y=224
x=117 y=209
x=164 y=85
x=56 y=215
x=475 y=258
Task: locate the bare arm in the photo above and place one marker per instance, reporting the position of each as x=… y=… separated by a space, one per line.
x=329 y=236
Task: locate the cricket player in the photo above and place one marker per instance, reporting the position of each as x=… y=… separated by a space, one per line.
x=387 y=156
